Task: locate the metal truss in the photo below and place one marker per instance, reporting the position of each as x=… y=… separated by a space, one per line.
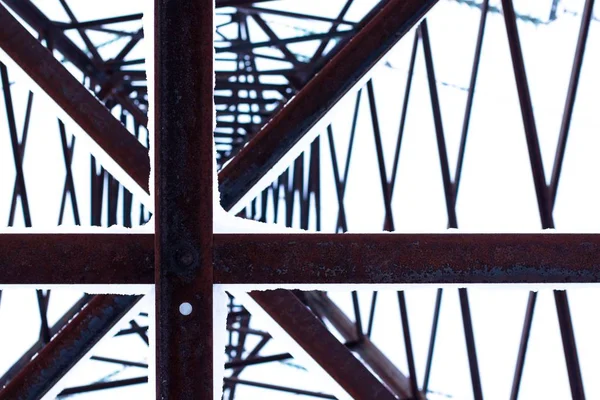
x=189 y=259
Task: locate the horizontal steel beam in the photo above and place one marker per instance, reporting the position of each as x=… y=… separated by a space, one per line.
x=311 y=258
x=384 y=29
x=76 y=259
x=93 y=117
x=406 y=258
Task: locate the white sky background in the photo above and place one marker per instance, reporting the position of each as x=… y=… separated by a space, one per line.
x=496 y=195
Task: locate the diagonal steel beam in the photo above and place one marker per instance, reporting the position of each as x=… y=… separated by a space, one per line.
x=37 y=346
x=68 y=347
x=34 y=17
x=311 y=103
x=95 y=119
x=306 y=329
x=323 y=306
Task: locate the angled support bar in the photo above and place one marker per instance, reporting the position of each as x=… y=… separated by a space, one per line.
x=294 y=121
x=63 y=259
x=35 y=18
x=74 y=99
x=402 y=258
x=377 y=361
x=37 y=346
x=71 y=344
x=304 y=327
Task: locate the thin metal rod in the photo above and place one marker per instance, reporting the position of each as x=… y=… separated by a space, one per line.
x=533 y=145
x=120 y=362
x=372 y=314
x=412 y=371
x=409 y=79
x=257 y=360
x=385 y=187
x=470 y=97
x=278 y=388
x=570 y=99
x=102 y=386
x=357 y=318
x=529 y=311
x=439 y=128
x=470 y=339
x=569 y=346
x=432 y=338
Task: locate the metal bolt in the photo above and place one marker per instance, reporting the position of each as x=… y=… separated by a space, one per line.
x=186 y=259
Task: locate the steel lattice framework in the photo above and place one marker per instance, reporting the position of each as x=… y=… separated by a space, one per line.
x=102 y=87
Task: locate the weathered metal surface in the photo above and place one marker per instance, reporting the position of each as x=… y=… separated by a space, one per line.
x=332 y=355
x=95 y=119
x=377 y=361
x=76 y=259
x=291 y=123
x=569 y=346
x=353 y=258
x=184 y=195
x=68 y=347
x=37 y=346
x=402 y=258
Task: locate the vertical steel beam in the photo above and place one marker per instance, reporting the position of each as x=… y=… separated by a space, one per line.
x=184 y=195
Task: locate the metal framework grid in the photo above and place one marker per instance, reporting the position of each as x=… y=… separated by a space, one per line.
x=184 y=258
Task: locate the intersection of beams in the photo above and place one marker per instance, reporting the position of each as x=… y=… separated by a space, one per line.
x=183 y=149
x=301 y=113
x=314 y=337
x=311 y=258
x=189 y=259
x=68 y=347
x=93 y=117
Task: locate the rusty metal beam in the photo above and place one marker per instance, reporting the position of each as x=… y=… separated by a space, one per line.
x=323 y=306
x=184 y=197
x=35 y=18
x=37 y=346
x=306 y=329
x=95 y=119
x=76 y=259
x=68 y=347
x=318 y=258
x=293 y=121
x=402 y=258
